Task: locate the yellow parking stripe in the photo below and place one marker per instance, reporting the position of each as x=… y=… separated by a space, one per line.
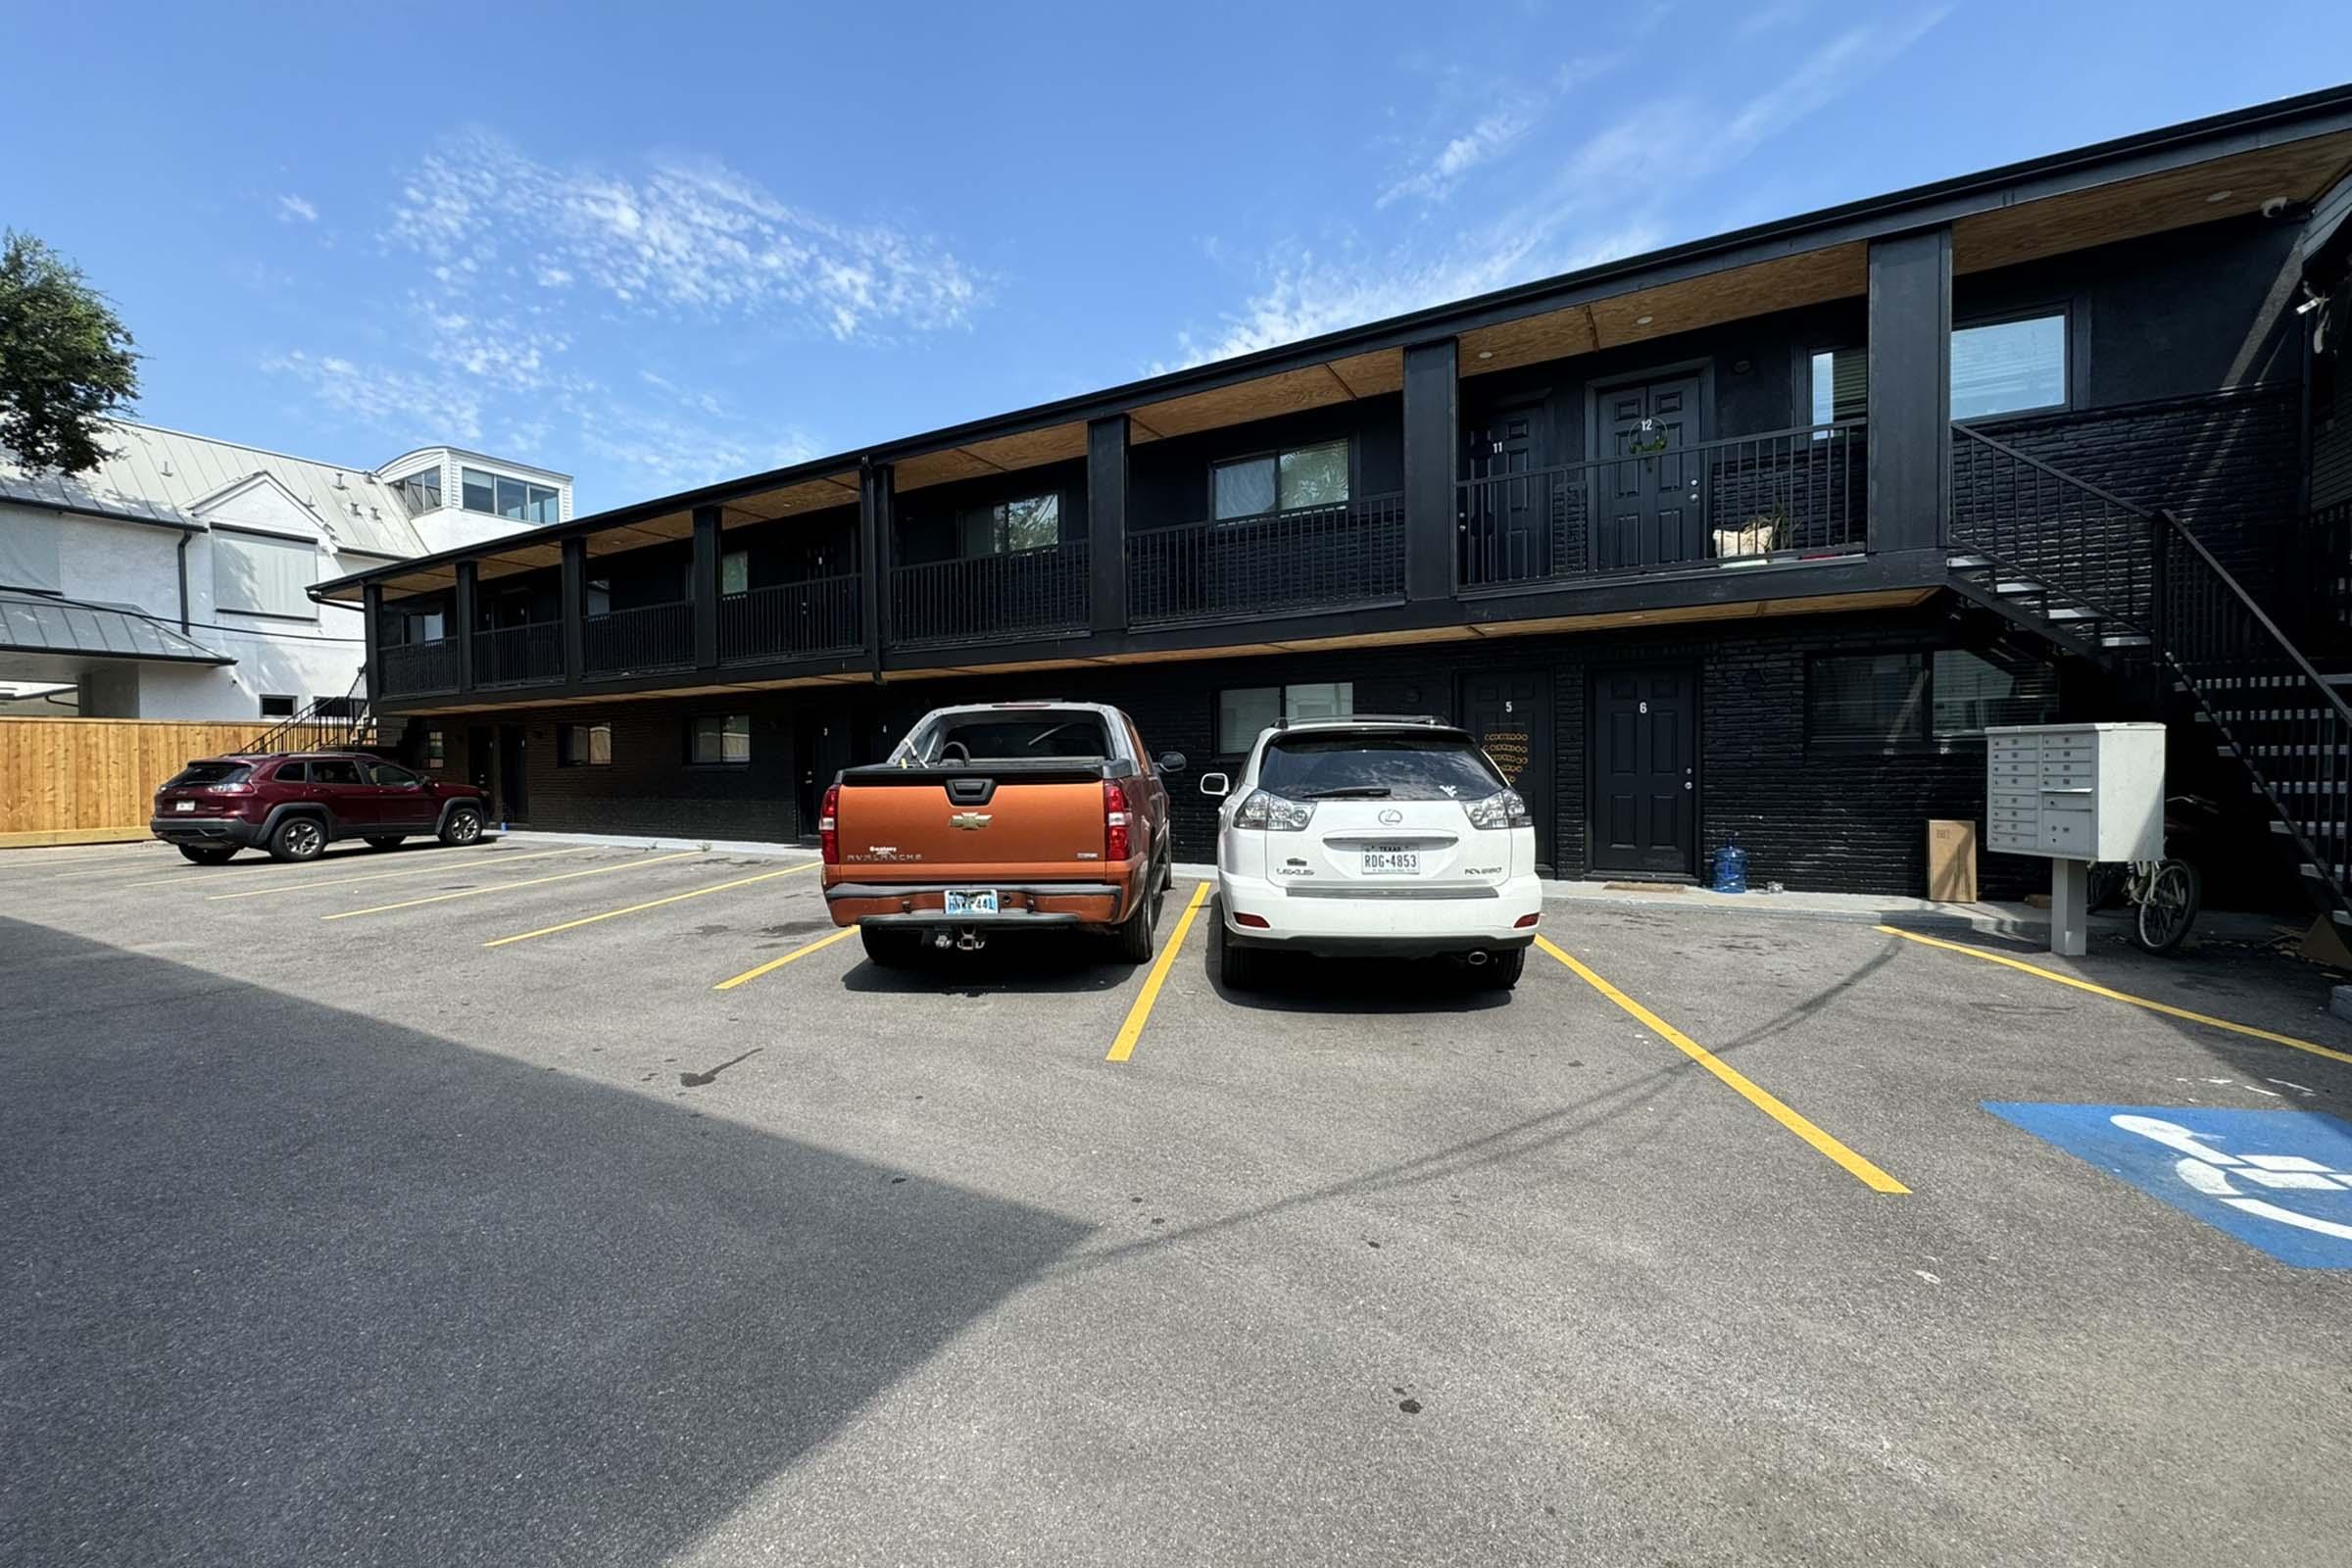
x=1862 y=1170
x=749 y=975
x=502 y=887
x=651 y=904
x=1132 y=1030
x=2163 y=1008
x=446 y=867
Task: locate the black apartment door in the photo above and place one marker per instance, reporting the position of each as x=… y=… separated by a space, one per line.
x=1504 y=537
x=1646 y=772
x=1646 y=491
x=510 y=804
x=1509 y=714
x=821 y=745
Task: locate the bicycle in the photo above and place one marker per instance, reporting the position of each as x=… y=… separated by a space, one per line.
x=2165 y=895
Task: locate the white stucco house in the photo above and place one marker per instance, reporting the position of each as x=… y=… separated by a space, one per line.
x=171 y=581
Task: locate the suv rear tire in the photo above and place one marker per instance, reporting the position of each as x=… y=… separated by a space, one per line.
x=209 y=854
x=1501 y=971
x=1132 y=942
x=890 y=949
x=463 y=825
x=298 y=838
x=1241 y=968
x=384 y=841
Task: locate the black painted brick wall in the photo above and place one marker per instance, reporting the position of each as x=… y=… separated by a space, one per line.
x=1808 y=820
x=2226 y=463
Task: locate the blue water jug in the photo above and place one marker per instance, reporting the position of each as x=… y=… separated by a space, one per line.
x=1731 y=868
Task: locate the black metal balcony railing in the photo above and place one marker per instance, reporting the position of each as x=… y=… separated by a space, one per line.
x=990 y=598
x=795 y=619
x=519 y=655
x=1793 y=493
x=409 y=669
x=1314 y=558
x=629 y=642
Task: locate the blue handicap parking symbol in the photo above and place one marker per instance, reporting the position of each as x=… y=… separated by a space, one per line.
x=2280 y=1180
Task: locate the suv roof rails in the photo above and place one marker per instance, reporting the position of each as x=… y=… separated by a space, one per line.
x=1430 y=719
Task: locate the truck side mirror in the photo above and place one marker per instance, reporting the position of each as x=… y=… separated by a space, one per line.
x=1215 y=784
x=1172 y=762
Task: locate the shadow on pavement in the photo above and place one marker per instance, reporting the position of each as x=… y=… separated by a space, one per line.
x=1030 y=963
x=284 y=1283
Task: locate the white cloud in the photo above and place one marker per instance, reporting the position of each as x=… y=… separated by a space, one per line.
x=1606 y=199
x=1492 y=135
x=425 y=407
x=699 y=239
x=294 y=210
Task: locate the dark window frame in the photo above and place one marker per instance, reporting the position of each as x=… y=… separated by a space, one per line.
x=1923 y=739
x=2069 y=323
x=1281 y=701
x=999 y=524
x=588 y=758
x=1275 y=455
x=437 y=748
x=724 y=763
x=292 y=705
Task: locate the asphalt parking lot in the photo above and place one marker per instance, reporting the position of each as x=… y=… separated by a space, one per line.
x=559 y=1202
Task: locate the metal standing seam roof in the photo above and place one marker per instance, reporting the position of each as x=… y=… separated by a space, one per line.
x=163 y=476
x=34 y=624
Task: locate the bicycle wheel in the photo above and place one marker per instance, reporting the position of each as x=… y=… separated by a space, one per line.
x=2169 y=908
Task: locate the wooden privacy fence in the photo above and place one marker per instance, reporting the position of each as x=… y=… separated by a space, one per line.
x=69 y=780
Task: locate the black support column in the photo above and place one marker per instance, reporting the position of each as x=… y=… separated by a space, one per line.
x=705 y=587
x=1432 y=439
x=876 y=550
x=1106 y=522
x=575 y=610
x=468 y=575
x=1910 y=431
x=372 y=611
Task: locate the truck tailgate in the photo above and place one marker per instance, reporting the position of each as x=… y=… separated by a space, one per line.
x=909 y=825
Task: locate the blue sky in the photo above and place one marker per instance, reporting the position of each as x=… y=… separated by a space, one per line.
x=668 y=244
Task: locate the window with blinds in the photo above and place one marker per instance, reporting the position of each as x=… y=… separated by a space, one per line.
x=262 y=575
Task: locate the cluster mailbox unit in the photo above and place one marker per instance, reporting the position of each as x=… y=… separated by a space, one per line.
x=2075 y=794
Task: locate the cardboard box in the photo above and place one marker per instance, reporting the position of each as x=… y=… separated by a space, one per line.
x=1952 y=862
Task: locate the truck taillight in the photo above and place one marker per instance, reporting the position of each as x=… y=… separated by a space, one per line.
x=1117 y=844
x=828 y=826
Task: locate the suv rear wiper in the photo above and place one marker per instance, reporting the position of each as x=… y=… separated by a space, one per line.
x=1348 y=791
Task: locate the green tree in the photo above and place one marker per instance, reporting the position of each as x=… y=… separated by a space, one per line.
x=66 y=361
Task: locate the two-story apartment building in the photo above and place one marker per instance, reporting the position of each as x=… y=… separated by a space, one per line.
x=174 y=580
x=1751 y=537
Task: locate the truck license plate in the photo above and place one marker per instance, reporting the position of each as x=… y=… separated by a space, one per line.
x=971 y=900
x=183 y=806
x=1392 y=862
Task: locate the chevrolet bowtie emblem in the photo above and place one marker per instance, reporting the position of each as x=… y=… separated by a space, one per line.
x=968 y=819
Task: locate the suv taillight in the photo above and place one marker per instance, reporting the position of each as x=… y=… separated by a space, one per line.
x=1117 y=843
x=828 y=828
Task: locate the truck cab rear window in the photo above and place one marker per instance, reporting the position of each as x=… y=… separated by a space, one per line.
x=1403 y=767
x=1008 y=737
x=200 y=775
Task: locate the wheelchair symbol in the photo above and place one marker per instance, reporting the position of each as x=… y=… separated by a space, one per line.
x=2215 y=1174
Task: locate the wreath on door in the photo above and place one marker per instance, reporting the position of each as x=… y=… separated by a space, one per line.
x=1649 y=437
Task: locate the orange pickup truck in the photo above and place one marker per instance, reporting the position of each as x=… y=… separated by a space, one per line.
x=1008 y=816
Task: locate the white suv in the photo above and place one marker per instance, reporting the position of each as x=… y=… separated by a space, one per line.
x=1374 y=837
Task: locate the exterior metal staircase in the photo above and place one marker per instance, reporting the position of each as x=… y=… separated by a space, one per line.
x=326 y=724
x=2113 y=582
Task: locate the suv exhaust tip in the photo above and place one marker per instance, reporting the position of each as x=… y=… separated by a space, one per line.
x=1476 y=958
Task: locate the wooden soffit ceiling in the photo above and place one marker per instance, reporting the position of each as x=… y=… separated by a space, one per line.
x=821 y=494
x=1312 y=386
x=2129 y=208
x=1838 y=271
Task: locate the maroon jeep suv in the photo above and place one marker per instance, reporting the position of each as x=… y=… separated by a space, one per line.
x=295 y=805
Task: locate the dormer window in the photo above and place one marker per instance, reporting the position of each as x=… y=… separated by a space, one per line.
x=498 y=496
x=1280 y=482
x=420 y=492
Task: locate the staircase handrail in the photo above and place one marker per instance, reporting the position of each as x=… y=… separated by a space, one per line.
x=2254 y=611
x=2058 y=473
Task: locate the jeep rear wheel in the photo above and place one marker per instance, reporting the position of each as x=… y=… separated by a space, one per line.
x=298 y=838
x=463 y=826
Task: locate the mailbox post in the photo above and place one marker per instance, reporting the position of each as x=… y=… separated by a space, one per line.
x=2074 y=794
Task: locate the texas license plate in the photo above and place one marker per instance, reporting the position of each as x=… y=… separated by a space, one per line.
x=1392 y=862
x=971 y=900
x=183 y=806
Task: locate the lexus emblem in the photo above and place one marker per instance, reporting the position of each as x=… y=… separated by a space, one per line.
x=973 y=820
x=1390 y=816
